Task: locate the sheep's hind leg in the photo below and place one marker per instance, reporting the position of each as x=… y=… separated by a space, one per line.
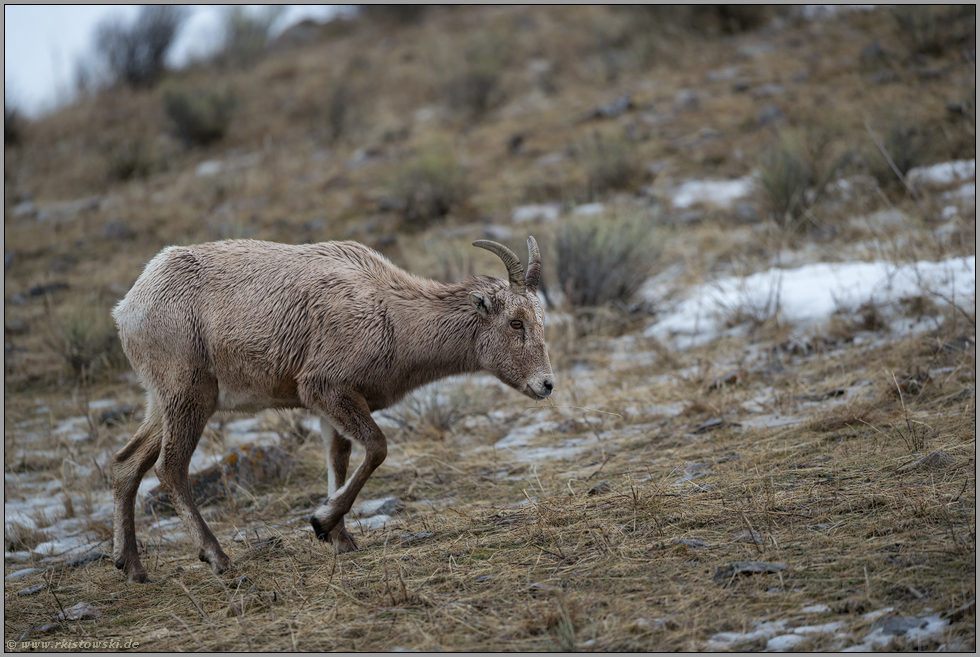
x=184 y=421
x=350 y=415
x=338 y=458
x=129 y=465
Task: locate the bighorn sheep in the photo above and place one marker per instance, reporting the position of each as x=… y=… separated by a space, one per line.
x=243 y=325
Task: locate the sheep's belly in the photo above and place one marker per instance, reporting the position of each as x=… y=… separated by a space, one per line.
x=237 y=399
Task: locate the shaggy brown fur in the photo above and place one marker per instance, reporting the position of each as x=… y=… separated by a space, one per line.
x=335 y=327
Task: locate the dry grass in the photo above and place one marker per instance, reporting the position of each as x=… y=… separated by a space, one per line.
x=811 y=440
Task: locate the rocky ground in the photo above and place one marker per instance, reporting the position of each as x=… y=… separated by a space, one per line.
x=768 y=444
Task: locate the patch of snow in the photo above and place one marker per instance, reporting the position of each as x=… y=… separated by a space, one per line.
x=589 y=209
x=810 y=294
x=940 y=175
x=374 y=522
x=815 y=609
x=719 y=193
x=728 y=640
x=536 y=212
x=783 y=642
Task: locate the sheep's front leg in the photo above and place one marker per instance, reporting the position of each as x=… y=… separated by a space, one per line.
x=350 y=415
x=338 y=458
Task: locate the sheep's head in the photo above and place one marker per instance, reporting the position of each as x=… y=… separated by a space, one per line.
x=511 y=343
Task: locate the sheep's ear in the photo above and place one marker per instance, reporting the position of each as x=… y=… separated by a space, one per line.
x=481 y=303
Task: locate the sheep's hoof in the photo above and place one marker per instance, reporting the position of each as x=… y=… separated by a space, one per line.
x=343 y=542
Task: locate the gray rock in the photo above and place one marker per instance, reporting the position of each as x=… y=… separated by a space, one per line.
x=600 y=489
x=751 y=50
x=117 y=414
x=725 y=572
x=686 y=99
x=408 y=539
x=692 y=543
x=722 y=74
x=87 y=558
x=81 y=611
x=936 y=460
x=899 y=625
x=613 y=109
x=384 y=506
x=768 y=90
x=747 y=537
x=243 y=468
x=117 y=230
x=884 y=77
x=771 y=114
x=31 y=590
x=47 y=288
x=873 y=51
x=483 y=578
x=22 y=573
x=746 y=212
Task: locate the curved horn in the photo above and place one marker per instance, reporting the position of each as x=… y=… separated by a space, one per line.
x=515 y=272
x=533 y=276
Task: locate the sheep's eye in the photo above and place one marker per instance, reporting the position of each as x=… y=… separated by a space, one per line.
x=517 y=324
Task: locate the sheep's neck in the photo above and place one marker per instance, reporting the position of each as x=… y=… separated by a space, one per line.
x=438 y=335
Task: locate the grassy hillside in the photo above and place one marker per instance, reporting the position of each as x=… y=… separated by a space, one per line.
x=839 y=453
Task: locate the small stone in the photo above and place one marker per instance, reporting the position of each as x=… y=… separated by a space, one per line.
x=384 y=506
x=600 y=489
x=936 y=460
x=747 y=537
x=117 y=230
x=483 y=578
x=613 y=109
x=117 y=415
x=771 y=114
x=767 y=90
x=725 y=572
x=21 y=574
x=81 y=611
x=87 y=558
x=884 y=77
x=41 y=290
x=31 y=590
x=408 y=539
x=691 y=543
x=899 y=625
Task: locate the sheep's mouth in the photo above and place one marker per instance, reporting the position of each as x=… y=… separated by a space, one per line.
x=533 y=394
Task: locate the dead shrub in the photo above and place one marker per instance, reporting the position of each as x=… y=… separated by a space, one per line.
x=18 y=537
x=431 y=185
x=245 y=34
x=906 y=147
x=200 y=117
x=610 y=165
x=84 y=335
x=12 y=132
x=472 y=77
x=602 y=261
x=134 y=54
x=920 y=24
x=131 y=159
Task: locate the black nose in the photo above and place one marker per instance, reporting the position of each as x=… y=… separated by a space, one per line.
x=548 y=385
